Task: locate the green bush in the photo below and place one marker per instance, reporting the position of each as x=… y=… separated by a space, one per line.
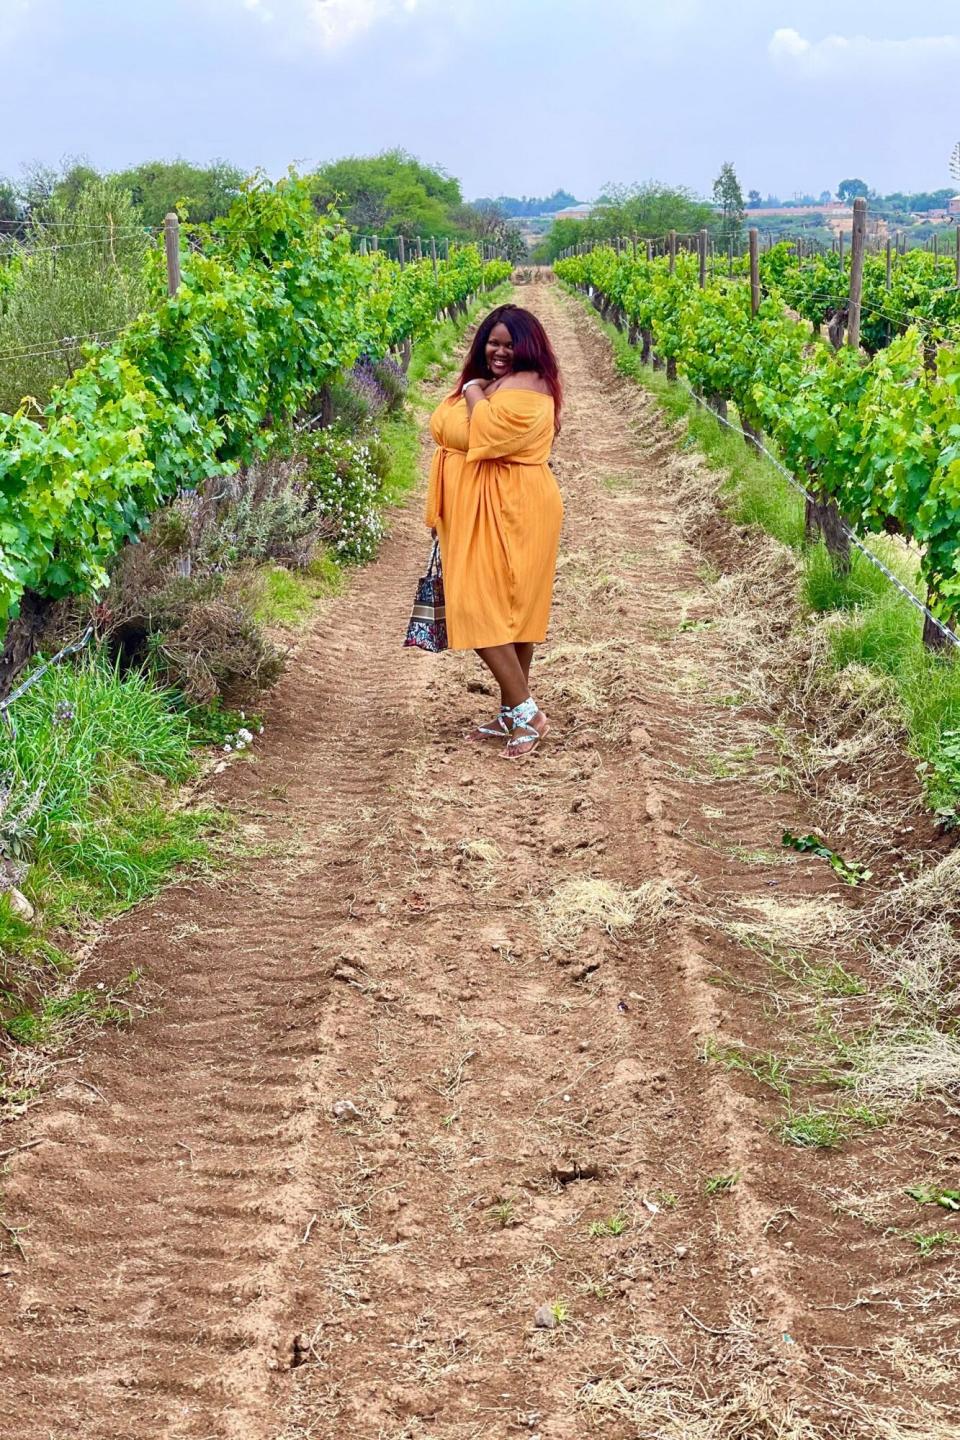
x=345 y=493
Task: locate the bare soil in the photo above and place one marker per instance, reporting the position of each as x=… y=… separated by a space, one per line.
x=429 y=1067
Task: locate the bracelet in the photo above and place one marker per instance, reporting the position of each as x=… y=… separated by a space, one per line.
x=471 y=382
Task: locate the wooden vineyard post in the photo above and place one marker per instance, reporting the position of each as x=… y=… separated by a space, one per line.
x=363 y=244
x=856 y=271
x=633 y=241
x=401 y=251
x=754 y=271
x=936 y=247
x=433 y=256
x=375 y=244
x=753 y=438
x=171 y=241
x=889 y=277
x=446 y=248
x=840 y=248
x=419 y=248
x=730 y=259
x=650 y=250
x=702 y=248
x=673 y=251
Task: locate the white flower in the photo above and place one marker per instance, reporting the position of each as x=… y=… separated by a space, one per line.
x=260 y=730
x=227 y=749
x=241 y=745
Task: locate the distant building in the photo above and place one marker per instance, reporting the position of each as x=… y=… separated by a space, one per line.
x=953 y=206
x=574 y=212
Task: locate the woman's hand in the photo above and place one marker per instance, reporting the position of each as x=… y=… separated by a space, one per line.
x=475 y=391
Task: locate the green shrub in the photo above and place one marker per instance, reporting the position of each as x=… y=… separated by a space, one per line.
x=345 y=492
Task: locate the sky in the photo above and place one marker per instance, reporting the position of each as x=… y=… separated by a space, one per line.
x=520 y=97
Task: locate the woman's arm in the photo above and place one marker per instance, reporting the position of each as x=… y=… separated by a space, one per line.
x=473 y=392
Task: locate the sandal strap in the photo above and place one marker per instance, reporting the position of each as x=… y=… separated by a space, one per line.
x=498 y=727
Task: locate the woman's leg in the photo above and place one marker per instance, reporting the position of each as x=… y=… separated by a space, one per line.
x=524 y=649
x=504 y=664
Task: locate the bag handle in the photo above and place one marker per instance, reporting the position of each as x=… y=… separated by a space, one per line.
x=434 y=567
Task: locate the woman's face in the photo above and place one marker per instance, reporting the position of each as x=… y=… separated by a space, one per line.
x=499 y=351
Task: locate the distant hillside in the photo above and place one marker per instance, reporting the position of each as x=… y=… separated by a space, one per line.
x=531 y=205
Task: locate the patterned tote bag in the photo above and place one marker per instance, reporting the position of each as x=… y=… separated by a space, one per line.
x=428 y=623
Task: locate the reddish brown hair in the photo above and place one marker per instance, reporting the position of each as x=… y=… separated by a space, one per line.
x=531 y=351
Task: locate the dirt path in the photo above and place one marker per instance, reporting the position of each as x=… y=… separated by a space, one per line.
x=399 y=1066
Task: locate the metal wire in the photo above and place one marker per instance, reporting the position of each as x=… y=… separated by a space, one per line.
x=74 y=648
x=854 y=539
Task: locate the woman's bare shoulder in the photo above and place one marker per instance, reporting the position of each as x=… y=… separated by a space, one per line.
x=525 y=380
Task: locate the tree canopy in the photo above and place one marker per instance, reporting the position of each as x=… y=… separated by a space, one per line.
x=644 y=210
x=849 y=190
x=389 y=194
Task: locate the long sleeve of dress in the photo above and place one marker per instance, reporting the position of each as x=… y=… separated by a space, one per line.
x=510 y=425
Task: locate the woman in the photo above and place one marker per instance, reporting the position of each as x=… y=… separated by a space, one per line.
x=496 y=508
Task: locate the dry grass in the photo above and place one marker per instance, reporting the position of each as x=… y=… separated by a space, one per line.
x=582 y=904
x=795 y=924
x=934 y=891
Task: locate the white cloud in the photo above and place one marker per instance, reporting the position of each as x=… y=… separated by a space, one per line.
x=337 y=22
x=839 y=55
x=329 y=25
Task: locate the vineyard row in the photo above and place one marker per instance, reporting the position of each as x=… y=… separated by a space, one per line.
x=874 y=439
x=273 y=307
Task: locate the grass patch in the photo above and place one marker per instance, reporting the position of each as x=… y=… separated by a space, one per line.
x=284 y=598
x=873 y=625
x=87 y=826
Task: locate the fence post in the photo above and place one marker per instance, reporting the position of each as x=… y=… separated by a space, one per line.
x=889 y=280
x=633 y=241
x=433 y=256
x=375 y=243
x=856 y=271
x=419 y=248
x=754 y=270
x=936 y=247
x=401 y=251
x=673 y=250
x=840 y=247
x=702 y=248
x=730 y=259
x=171 y=240
x=363 y=244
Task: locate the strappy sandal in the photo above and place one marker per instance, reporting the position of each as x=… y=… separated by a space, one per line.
x=499 y=729
x=523 y=731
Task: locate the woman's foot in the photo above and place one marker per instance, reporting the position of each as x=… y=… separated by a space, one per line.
x=498 y=729
x=529 y=725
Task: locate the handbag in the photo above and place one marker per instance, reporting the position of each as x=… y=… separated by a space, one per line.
x=428 y=623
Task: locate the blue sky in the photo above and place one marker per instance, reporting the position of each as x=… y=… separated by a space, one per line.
x=517 y=97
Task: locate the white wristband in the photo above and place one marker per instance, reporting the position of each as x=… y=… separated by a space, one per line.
x=471 y=382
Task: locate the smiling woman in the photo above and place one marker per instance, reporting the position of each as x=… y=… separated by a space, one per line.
x=496 y=509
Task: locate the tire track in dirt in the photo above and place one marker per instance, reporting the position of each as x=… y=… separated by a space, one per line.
x=401 y=1087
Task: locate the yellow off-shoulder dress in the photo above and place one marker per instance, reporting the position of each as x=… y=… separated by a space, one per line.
x=497 y=510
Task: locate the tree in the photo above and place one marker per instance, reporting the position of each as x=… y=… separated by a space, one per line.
x=729 y=197
x=955 y=161
x=825 y=197
x=486 y=222
x=389 y=194
x=754 y=199
x=849 y=190
x=160 y=186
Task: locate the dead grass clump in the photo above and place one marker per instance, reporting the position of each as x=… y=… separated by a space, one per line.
x=934 y=892
x=922 y=974
x=205 y=641
x=796 y=925
x=896 y=1067
x=677 y=1410
x=582 y=904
